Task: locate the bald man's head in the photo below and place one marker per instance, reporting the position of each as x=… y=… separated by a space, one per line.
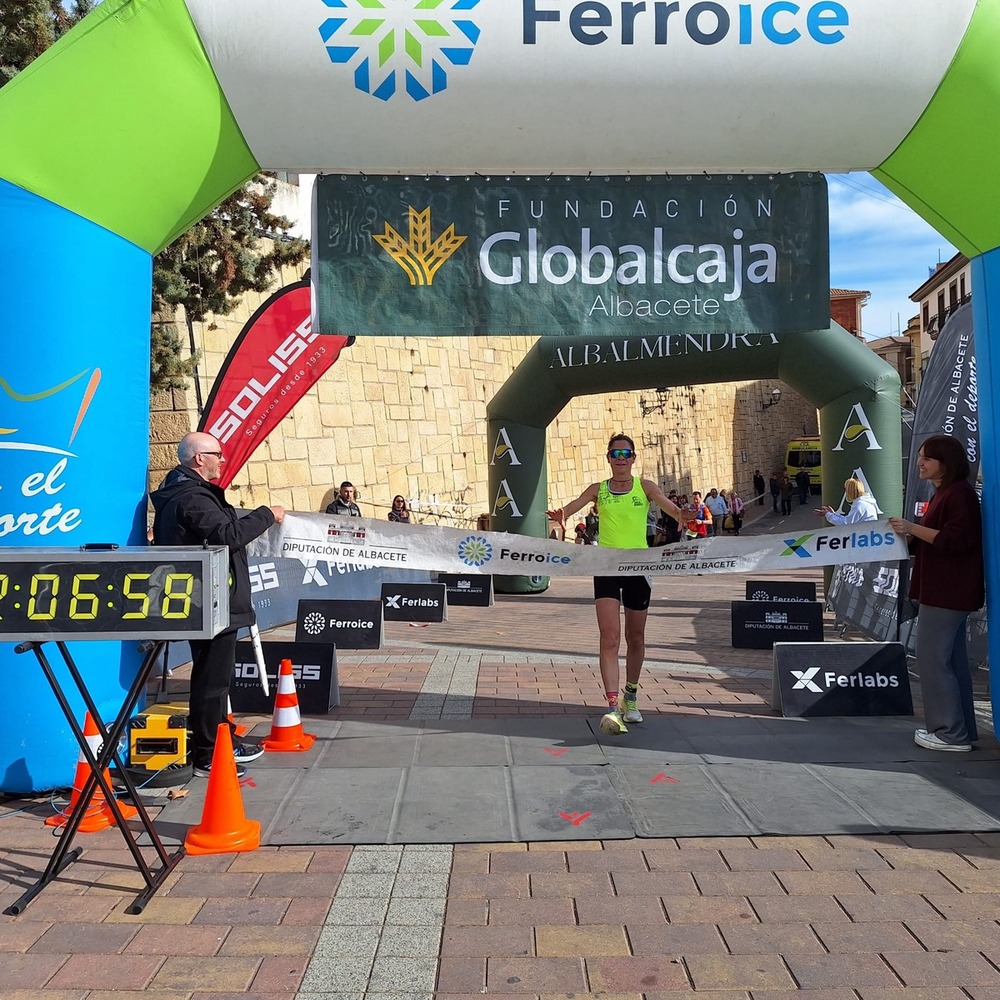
x=201 y=453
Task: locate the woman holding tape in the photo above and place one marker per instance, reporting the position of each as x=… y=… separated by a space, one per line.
x=622 y=503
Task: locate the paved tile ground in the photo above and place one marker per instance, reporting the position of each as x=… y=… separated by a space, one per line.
x=831 y=918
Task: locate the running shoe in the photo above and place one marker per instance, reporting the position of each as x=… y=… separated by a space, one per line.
x=244 y=753
x=631 y=713
x=612 y=723
x=204 y=772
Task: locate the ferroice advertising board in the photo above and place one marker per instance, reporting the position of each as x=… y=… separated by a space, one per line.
x=346 y=624
x=570 y=255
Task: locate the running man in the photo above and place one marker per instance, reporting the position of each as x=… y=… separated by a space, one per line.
x=622 y=505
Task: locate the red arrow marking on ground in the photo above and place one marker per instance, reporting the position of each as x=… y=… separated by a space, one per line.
x=556 y=751
x=575 y=818
x=248 y=783
x=664 y=777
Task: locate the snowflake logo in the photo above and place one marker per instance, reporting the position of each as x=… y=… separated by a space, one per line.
x=314 y=623
x=475 y=550
x=413 y=44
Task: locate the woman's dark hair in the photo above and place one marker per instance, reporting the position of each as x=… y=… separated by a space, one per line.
x=950 y=452
x=621 y=437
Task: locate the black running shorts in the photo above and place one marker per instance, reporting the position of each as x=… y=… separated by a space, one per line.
x=634 y=592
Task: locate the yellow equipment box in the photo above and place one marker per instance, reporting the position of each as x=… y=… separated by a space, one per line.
x=158 y=736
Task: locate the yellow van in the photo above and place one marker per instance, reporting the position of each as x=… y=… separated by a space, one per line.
x=804 y=453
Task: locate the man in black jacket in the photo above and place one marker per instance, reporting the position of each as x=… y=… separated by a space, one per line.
x=192 y=510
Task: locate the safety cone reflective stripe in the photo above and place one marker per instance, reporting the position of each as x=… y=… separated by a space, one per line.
x=286 y=725
x=99 y=815
x=224 y=827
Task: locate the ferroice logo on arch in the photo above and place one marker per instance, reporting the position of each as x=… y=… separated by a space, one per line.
x=410 y=46
x=403 y=46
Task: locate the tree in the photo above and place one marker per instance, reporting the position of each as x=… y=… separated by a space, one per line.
x=29 y=27
x=239 y=247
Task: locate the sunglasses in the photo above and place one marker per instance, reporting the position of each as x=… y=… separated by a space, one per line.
x=621 y=453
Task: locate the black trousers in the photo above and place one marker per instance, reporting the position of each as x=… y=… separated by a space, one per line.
x=212 y=664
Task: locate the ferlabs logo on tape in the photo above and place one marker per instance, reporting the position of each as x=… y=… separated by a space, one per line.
x=400 y=46
x=796 y=546
x=475 y=550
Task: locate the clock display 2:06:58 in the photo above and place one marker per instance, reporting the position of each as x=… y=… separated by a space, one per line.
x=98 y=592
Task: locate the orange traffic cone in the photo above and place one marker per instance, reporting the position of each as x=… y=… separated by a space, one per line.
x=237 y=727
x=98 y=815
x=224 y=827
x=286 y=726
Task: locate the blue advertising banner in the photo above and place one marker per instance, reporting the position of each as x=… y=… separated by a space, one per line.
x=564 y=255
x=74 y=436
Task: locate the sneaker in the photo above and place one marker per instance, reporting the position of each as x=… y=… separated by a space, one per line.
x=929 y=741
x=203 y=772
x=244 y=753
x=631 y=713
x=612 y=723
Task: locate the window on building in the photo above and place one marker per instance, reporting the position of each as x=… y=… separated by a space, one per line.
x=927 y=315
x=953 y=296
x=940 y=311
x=961 y=283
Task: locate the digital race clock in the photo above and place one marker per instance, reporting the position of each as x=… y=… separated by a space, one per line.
x=165 y=592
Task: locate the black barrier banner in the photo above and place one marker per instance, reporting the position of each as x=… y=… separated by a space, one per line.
x=844 y=678
x=561 y=255
x=346 y=624
x=314 y=666
x=760 y=624
x=793 y=591
x=414 y=602
x=866 y=596
x=468 y=591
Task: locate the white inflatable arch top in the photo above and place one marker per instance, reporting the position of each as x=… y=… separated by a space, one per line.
x=151 y=111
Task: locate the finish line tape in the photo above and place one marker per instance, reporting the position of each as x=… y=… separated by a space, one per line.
x=361 y=542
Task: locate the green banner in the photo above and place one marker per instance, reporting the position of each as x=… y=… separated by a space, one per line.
x=557 y=256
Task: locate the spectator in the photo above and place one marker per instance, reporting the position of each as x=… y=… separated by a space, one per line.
x=775 y=487
x=399 y=511
x=192 y=510
x=947 y=582
x=863 y=506
x=758 y=487
x=787 y=493
x=696 y=518
x=344 y=504
x=718 y=508
x=802 y=482
x=737 y=508
x=592 y=524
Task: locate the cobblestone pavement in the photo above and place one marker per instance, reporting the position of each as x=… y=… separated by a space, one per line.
x=832 y=918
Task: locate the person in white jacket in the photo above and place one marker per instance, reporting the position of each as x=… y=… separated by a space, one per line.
x=863 y=506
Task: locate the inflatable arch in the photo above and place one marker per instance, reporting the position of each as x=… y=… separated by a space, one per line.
x=856 y=393
x=149 y=112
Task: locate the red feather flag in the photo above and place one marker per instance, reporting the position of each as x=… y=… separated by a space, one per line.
x=275 y=361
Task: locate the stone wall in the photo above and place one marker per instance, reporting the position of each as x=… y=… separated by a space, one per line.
x=408 y=415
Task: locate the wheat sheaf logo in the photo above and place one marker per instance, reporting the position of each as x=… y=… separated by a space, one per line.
x=400 y=46
x=420 y=256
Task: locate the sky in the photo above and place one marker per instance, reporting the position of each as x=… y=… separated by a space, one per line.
x=880 y=245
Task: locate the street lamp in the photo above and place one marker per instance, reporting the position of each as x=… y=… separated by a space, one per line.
x=773 y=401
x=655 y=407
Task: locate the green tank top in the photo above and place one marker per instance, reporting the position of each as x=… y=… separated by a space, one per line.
x=622 y=516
